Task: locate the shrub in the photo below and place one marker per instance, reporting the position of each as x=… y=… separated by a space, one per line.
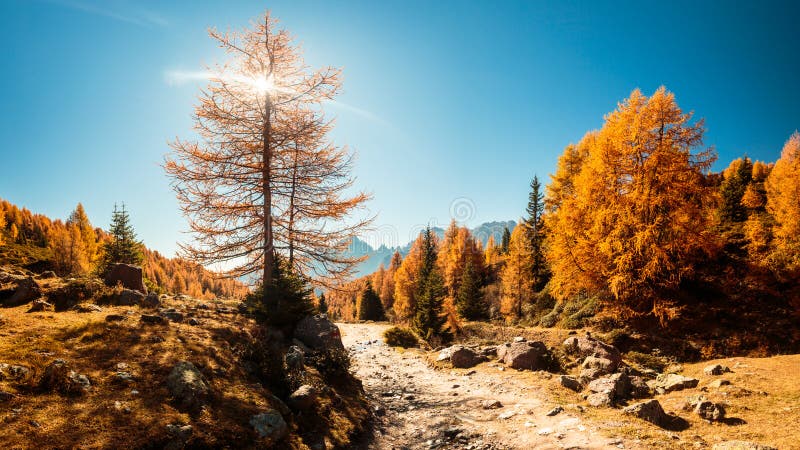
x=284 y=301
x=400 y=337
x=647 y=361
x=77 y=291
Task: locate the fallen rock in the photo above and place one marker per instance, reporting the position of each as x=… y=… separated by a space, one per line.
x=444 y=354
x=491 y=404
x=555 y=411
x=582 y=347
x=152 y=300
x=128 y=275
x=187 y=385
x=673 y=382
x=173 y=316
x=716 y=384
x=115 y=318
x=27 y=290
x=616 y=386
x=40 y=306
x=710 y=411
x=650 y=411
x=602 y=366
x=129 y=297
x=270 y=426
x=147 y=318
x=528 y=355
x=47 y=274
x=86 y=308
x=319 y=332
x=716 y=369
x=570 y=383
x=9 y=372
x=741 y=445
x=58 y=376
x=639 y=388
x=294 y=357
x=462 y=357
x=180 y=434
x=304 y=398
x=193 y=322
x=599 y=399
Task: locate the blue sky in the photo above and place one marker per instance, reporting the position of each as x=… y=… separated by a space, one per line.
x=467 y=100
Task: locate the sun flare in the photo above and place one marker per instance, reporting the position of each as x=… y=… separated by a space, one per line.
x=263 y=84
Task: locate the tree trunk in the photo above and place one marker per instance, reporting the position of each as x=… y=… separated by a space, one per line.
x=266 y=172
x=291 y=208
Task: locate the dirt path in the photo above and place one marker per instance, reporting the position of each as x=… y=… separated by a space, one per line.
x=422 y=408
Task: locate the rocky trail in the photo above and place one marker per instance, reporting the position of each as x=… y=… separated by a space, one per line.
x=486 y=407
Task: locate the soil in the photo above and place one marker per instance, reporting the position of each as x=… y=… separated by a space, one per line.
x=418 y=406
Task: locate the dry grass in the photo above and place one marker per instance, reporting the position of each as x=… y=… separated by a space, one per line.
x=93 y=347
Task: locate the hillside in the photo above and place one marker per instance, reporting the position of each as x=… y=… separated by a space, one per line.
x=28 y=240
x=177 y=373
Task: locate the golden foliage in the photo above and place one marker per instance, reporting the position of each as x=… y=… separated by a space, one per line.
x=783 y=202
x=517 y=277
x=627 y=207
x=405 y=282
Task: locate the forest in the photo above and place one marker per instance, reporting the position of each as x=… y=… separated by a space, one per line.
x=633 y=231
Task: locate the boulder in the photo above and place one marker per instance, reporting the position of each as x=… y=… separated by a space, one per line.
x=150 y=301
x=501 y=350
x=187 y=385
x=27 y=290
x=599 y=399
x=462 y=357
x=47 y=274
x=602 y=366
x=444 y=354
x=639 y=388
x=616 y=386
x=650 y=411
x=129 y=297
x=128 y=275
x=294 y=357
x=530 y=355
x=581 y=347
x=86 y=308
x=173 y=316
x=673 y=382
x=319 y=333
x=716 y=384
x=152 y=319
x=710 y=411
x=715 y=369
x=588 y=375
x=270 y=426
x=10 y=372
x=58 y=376
x=193 y=321
x=741 y=445
x=304 y=398
x=491 y=404
x=40 y=305
x=570 y=383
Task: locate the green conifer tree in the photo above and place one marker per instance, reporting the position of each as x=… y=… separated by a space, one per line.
x=123 y=246
x=429 y=320
x=322 y=305
x=505 y=241
x=369 y=304
x=469 y=301
x=534 y=225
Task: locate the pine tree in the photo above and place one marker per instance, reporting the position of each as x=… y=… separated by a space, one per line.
x=369 y=304
x=469 y=301
x=429 y=319
x=737 y=177
x=322 y=304
x=534 y=224
x=505 y=241
x=123 y=246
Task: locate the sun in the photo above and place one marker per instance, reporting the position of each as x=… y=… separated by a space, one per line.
x=263 y=85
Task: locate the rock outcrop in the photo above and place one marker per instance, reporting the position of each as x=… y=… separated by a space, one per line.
x=270 y=426
x=529 y=355
x=650 y=411
x=319 y=333
x=187 y=385
x=128 y=275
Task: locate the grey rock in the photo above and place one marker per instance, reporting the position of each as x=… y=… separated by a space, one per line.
x=318 y=332
x=193 y=322
x=129 y=297
x=152 y=300
x=12 y=372
x=270 y=426
x=187 y=385
x=47 y=274
x=555 y=411
x=304 y=398
x=491 y=404
x=27 y=290
x=639 y=388
x=40 y=306
x=173 y=316
x=128 y=275
x=58 y=376
x=673 y=382
x=463 y=357
x=294 y=358
x=115 y=318
x=716 y=384
x=715 y=369
x=617 y=386
x=147 y=318
x=570 y=383
x=600 y=365
x=741 y=445
x=530 y=355
x=651 y=411
x=87 y=308
x=710 y=411
x=582 y=347
x=599 y=399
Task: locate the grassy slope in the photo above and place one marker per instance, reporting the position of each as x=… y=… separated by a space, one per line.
x=94 y=347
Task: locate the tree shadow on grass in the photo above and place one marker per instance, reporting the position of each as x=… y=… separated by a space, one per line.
x=674 y=423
